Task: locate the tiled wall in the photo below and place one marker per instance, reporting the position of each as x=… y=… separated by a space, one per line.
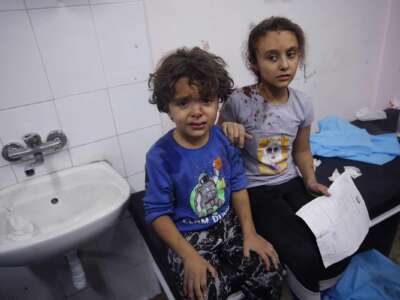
x=80 y=66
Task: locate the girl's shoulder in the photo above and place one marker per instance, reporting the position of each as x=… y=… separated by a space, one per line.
x=301 y=103
x=248 y=91
x=299 y=96
x=244 y=95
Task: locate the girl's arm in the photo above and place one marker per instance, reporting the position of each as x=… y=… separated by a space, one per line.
x=304 y=160
x=251 y=240
x=195 y=267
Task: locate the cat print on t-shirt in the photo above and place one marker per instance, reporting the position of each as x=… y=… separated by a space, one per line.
x=273 y=154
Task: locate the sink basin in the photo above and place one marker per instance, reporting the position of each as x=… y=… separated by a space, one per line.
x=55 y=213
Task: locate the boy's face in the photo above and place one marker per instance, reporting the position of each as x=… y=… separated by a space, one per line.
x=278 y=57
x=192 y=115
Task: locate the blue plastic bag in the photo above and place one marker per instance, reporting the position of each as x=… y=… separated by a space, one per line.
x=369 y=276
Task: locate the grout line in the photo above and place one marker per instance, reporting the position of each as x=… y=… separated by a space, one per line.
x=107 y=89
x=120 y=147
x=56 y=7
x=66 y=6
x=100 y=89
x=99 y=49
x=116 y=131
x=384 y=45
x=140 y=128
x=135 y=173
x=48 y=79
x=115 y=2
x=15 y=173
x=12 y=9
x=25 y=105
x=146 y=19
x=110 y=137
x=92 y=142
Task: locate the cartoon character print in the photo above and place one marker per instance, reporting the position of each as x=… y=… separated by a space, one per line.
x=209 y=194
x=273 y=154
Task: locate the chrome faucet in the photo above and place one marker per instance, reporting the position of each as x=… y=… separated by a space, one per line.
x=38 y=159
x=35 y=149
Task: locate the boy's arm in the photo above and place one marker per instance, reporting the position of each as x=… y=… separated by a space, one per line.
x=195 y=267
x=167 y=230
x=241 y=205
x=304 y=160
x=251 y=240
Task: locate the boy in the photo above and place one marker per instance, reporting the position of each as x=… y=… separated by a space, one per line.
x=193 y=176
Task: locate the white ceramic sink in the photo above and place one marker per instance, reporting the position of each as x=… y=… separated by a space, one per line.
x=55 y=213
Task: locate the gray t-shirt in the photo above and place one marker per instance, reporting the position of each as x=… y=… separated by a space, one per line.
x=268 y=155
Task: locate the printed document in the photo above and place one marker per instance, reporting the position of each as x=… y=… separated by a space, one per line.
x=339 y=222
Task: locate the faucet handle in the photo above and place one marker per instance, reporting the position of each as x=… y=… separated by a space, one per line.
x=9 y=150
x=32 y=140
x=55 y=135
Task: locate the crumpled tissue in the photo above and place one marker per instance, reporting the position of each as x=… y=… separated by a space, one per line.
x=367 y=114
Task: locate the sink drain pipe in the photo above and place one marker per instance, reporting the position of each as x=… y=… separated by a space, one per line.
x=77 y=272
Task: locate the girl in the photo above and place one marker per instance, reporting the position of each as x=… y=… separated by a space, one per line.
x=275 y=120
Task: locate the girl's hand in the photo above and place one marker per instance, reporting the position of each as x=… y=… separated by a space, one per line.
x=235 y=133
x=263 y=248
x=195 y=277
x=316 y=188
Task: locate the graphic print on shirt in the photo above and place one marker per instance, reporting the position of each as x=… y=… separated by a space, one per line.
x=209 y=194
x=273 y=154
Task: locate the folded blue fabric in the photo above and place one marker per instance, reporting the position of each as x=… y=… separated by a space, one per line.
x=370 y=275
x=339 y=138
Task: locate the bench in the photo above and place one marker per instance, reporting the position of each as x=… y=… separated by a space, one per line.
x=379 y=185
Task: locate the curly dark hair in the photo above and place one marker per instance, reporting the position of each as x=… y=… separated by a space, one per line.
x=273 y=24
x=205 y=70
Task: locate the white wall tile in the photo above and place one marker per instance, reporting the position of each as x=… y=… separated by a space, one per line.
x=136 y=182
x=66 y=38
x=103 y=150
x=166 y=123
x=131 y=107
x=7 y=177
x=40 y=118
x=53 y=3
x=52 y=163
x=86 y=117
x=11 y=4
x=22 y=77
x=121 y=29
x=134 y=146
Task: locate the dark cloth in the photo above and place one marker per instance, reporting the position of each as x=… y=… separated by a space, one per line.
x=273 y=209
x=222 y=245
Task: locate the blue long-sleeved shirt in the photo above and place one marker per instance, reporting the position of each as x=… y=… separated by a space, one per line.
x=192 y=186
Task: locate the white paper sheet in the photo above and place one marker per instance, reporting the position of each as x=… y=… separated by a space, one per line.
x=339 y=222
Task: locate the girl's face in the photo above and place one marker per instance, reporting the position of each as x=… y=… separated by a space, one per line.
x=278 y=57
x=192 y=115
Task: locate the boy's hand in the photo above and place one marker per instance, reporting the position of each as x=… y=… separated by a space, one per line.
x=195 y=277
x=263 y=248
x=235 y=133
